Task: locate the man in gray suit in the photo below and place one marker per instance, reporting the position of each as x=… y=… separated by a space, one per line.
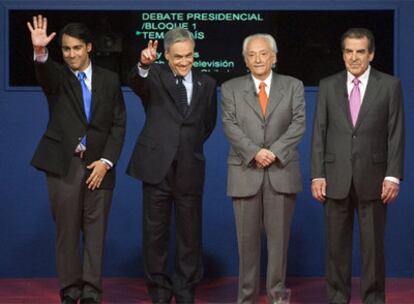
x=357 y=163
x=264 y=119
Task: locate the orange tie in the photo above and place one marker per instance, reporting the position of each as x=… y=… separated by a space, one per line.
x=262 y=97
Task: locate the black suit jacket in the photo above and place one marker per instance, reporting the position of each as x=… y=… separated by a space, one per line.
x=67 y=120
x=167 y=135
x=366 y=153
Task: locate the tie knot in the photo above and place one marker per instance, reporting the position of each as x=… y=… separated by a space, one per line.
x=81 y=76
x=262 y=85
x=179 y=78
x=356 y=81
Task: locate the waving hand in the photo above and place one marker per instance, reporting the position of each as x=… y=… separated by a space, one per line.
x=38 y=31
x=149 y=54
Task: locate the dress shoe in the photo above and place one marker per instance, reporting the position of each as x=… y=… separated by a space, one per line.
x=69 y=300
x=162 y=301
x=88 y=301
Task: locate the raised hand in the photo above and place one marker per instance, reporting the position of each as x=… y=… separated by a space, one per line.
x=38 y=31
x=149 y=54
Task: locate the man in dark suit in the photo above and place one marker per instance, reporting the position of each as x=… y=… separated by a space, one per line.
x=264 y=119
x=78 y=151
x=357 y=164
x=180 y=107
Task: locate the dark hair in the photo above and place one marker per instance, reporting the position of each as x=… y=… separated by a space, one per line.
x=77 y=30
x=358 y=33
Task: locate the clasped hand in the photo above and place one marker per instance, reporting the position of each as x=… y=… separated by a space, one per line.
x=264 y=158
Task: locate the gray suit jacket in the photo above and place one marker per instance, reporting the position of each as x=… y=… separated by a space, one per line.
x=248 y=131
x=366 y=153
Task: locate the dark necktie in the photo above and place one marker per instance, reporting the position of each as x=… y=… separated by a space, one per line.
x=87 y=99
x=182 y=95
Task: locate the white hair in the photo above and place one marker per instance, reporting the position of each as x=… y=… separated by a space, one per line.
x=269 y=38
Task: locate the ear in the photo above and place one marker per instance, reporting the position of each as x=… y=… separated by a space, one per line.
x=371 y=56
x=274 y=58
x=167 y=55
x=89 y=47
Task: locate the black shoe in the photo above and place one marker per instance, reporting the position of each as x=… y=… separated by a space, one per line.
x=90 y=295
x=161 y=301
x=69 y=300
x=180 y=300
x=88 y=301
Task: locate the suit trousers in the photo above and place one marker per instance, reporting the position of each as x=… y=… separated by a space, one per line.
x=273 y=211
x=339 y=222
x=76 y=209
x=159 y=201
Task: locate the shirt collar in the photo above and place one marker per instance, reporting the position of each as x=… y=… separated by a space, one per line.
x=87 y=71
x=267 y=81
x=363 y=78
x=187 y=78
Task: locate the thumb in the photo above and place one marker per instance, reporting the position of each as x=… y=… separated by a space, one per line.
x=91 y=166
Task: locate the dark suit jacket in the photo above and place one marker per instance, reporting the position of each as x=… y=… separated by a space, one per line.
x=366 y=153
x=67 y=120
x=166 y=134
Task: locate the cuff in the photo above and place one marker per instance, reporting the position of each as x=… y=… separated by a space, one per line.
x=41 y=57
x=108 y=163
x=392 y=179
x=143 y=70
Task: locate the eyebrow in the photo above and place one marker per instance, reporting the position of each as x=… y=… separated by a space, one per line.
x=185 y=55
x=71 y=47
x=358 y=50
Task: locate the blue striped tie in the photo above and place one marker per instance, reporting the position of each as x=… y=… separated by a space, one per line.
x=87 y=99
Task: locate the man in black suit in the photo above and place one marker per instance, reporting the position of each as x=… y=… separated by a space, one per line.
x=78 y=152
x=180 y=107
x=357 y=164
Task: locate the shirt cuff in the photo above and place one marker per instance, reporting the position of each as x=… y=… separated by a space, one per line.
x=142 y=72
x=392 y=179
x=41 y=58
x=107 y=162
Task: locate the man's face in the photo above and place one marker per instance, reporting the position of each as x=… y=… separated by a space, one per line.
x=356 y=55
x=180 y=57
x=75 y=52
x=259 y=58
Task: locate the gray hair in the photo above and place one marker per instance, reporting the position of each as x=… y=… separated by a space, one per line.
x=269 y=38
x=177 y=34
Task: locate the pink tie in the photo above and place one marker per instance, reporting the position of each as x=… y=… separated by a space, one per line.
x=355 y=101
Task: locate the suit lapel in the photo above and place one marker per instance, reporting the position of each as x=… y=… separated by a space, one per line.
x=76 y=91
x=342 y=93
x=168 y=81
x=275 y=95
x=369 y=96
x=196 y=95
x=96 y=89
x=250 y=96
